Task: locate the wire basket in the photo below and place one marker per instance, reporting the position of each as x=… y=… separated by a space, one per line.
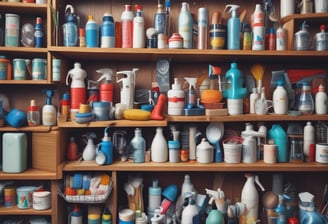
x=321 y=132
x=76 y=183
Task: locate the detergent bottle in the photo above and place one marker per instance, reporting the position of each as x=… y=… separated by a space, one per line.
x=49 y=114
x=104 y=150
x=308 y=213
x=70 y=34
x=128 y=87
x=279 y=136
x=77 y=90
x=106 y=88
x=250 y=197
x=233 y=28
x=89 y=152
x=235 y=93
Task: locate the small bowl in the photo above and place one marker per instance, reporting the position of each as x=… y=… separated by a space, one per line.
x=83 y=117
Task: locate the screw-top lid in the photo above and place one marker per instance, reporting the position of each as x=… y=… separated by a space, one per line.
x=160 y=8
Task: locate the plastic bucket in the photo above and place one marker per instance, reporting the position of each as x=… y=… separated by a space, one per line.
x=232 y=151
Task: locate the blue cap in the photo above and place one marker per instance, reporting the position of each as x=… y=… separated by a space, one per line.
x=170 y=192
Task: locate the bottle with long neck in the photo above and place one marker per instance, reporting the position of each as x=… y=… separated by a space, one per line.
x=185 y=23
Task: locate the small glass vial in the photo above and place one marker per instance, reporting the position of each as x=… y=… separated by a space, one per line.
x=296 y=150
x=33 y=114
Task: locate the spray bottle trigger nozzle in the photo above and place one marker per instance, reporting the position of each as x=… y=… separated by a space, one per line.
x=257 y=181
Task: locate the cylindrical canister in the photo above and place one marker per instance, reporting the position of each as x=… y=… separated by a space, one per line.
x=218 y=34
x=11 y=30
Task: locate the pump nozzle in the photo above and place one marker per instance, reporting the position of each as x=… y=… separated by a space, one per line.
x=49 y=94
x=230 y=8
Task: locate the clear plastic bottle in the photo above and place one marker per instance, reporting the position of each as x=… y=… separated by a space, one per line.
x=303 y=38
x=33 y=114
x=138 y=146
x=305 y=101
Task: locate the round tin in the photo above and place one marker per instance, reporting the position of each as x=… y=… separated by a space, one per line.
x=41 y=200
x=321 y=153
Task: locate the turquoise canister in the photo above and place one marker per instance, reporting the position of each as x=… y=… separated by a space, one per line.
x=215 y=217
x=14 y=152
x=280 y=138
x=138 y=146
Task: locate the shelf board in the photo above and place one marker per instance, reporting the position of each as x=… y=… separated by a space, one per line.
x=247 y=117
x=24 y=8
x=29 y=174
x=22 y=50
x=307 y=17
x=185 y=55
x=259 y=166
x=39 y=128
x=16 y=211
x=23 y=82
x=114 y=123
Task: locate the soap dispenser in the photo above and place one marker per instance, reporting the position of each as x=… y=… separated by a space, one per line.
x=49 y=114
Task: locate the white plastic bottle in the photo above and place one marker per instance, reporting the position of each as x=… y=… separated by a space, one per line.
x=252 y=98
x=308 y=138
x=176 y=99
x=321 y=101
x=250 y=197
x=280 y=99
x=281 y=39
x=139 y=30
x=185 y=23
x=258 y=15
x=127 y=27
x=49 y=113
x=159 y=150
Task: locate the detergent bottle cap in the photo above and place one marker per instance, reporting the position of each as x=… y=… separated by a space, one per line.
x=33 y=106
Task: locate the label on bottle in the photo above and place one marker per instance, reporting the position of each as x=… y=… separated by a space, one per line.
x=281 y=42
x=70 y=35
x=38 y=38
x=321 y=41
x=258 y=38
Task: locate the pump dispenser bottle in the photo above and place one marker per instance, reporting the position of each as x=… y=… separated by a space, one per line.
x=176 y=99
x=49 y=114
x=233 y=28
x=185 y=23
x=128 y=87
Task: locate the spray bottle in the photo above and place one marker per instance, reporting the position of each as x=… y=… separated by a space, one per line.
x=236 y=92
x=250 y=197
x=70 y=34
x=77 y=91
x=104 y=150
x=191 y=211
x=106 y=88
x=89 y=152
x=233 y=28
x=191 y=94
x=128 y=87
x=48 y=110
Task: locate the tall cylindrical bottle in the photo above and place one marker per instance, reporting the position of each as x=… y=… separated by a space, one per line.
x=127 y=27
x=233 y=28
x=202 y=28
x=321 y=39
x=39 y=39
x=185 y=23
x=321 y=101
x=70 y=29
x=159 y=149
x=139 y=30
x=280 y=99
x=154 y=197
x=91 y=33
x=160 y=19
x=281 y=39
x=176 y=99
x=138 y=146
x=308 y=139
x=258 y=15
x=107 y=32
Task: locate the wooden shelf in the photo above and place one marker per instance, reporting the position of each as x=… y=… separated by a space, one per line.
x=307 y=17
x=247 y=117
x=259 y=166
x=16 y=211
x=39 y=128
x=23 y=8
x=185 y=55
x=114 y=123
x=29 y=174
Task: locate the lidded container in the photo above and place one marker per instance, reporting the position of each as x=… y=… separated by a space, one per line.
x=204 y=152
x=305 y=102
x=303 y=38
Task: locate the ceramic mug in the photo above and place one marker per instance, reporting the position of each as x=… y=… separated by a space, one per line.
x=21 y=67
x=262 y=107
x=5 y=68
x=39 y=68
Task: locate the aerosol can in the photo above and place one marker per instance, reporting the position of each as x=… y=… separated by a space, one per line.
x=250 y=197
x=128 y=87
x=106 y=88
x=250 y=145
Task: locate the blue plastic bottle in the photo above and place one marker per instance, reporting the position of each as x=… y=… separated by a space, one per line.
x=106 y=147
x=279 y=136
x=138 y=146
x=233 y=28
x=70 y=35
x=38 y=33
x=311 y=216
x=107 y=32
x=91 y=33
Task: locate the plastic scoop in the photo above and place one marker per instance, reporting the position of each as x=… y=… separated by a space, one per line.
x=214 y=133
x=257 y=71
